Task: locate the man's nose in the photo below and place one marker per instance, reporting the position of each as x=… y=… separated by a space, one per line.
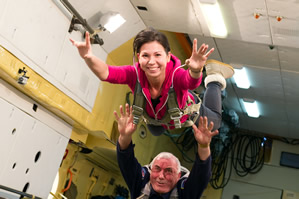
x=161 y=174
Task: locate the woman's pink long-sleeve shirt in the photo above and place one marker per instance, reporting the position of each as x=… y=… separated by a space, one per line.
x=182 y=82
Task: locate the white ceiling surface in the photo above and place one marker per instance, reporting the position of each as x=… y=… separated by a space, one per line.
x=274 y=73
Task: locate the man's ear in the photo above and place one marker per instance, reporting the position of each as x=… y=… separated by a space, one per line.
x=179 y=175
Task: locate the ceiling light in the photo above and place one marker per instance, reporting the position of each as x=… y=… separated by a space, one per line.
x=241 y=78
x=111 y=21
x=251 y=108
x=213 y=17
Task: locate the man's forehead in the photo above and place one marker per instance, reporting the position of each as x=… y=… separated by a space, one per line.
x=165 y=163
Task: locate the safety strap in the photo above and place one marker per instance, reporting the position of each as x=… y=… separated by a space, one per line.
x=173 y=109
x=174 y=112
x=138 y=103
x=192 y=110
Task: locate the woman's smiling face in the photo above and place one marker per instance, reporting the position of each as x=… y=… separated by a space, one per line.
x=153 y=59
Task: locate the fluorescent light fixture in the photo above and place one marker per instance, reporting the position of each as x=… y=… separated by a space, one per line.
x=214 y=19
x=251 y=108
x=111 y=21
x=241 y=78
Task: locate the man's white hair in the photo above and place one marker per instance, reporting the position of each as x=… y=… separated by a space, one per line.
x=167 y=155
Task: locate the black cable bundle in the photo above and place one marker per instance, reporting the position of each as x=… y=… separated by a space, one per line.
x=247 y=157
x=220 y=159
x=248 y=154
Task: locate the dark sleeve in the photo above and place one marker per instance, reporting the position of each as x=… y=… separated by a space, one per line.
x=132 y=172
x=197 y=181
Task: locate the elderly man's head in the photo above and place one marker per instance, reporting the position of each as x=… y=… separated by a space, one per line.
x=165 y=173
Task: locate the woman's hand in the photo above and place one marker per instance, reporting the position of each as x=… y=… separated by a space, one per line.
x=203 y=133
x=84 y=48
x=199 y=57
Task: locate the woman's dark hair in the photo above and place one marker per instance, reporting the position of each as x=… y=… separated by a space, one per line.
x=148 y=35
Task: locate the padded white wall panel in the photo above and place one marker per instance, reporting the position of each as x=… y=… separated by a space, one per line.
x=2 y=7
x=36 y=32
x=13 y=119
x=19 y=100
x=32 y=144
x=35 y=158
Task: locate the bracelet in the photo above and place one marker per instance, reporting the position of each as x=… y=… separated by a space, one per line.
x=196 y=72
x=204 y=145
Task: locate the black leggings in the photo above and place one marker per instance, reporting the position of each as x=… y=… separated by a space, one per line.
x=211 y=106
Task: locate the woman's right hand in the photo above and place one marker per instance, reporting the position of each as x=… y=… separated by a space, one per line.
x=84 y=48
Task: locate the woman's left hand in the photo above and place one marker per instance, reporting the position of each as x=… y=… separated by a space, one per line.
x=199 y=57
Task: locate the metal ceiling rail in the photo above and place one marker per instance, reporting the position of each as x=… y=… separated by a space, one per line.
x=78 y=19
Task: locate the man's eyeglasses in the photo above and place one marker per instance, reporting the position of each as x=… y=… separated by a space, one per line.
x=166 y=171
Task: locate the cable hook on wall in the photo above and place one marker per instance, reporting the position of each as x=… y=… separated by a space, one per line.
x=22 y=78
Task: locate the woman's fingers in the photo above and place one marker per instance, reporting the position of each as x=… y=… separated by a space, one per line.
x=194 y=45
x=87 y=38
x=72 y=41
x=210 y=52
x=204 y=49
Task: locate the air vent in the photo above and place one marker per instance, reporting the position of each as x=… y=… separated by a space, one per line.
x=142 y=8
x=285 y=31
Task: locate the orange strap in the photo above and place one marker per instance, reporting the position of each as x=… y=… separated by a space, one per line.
x=70 y=181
